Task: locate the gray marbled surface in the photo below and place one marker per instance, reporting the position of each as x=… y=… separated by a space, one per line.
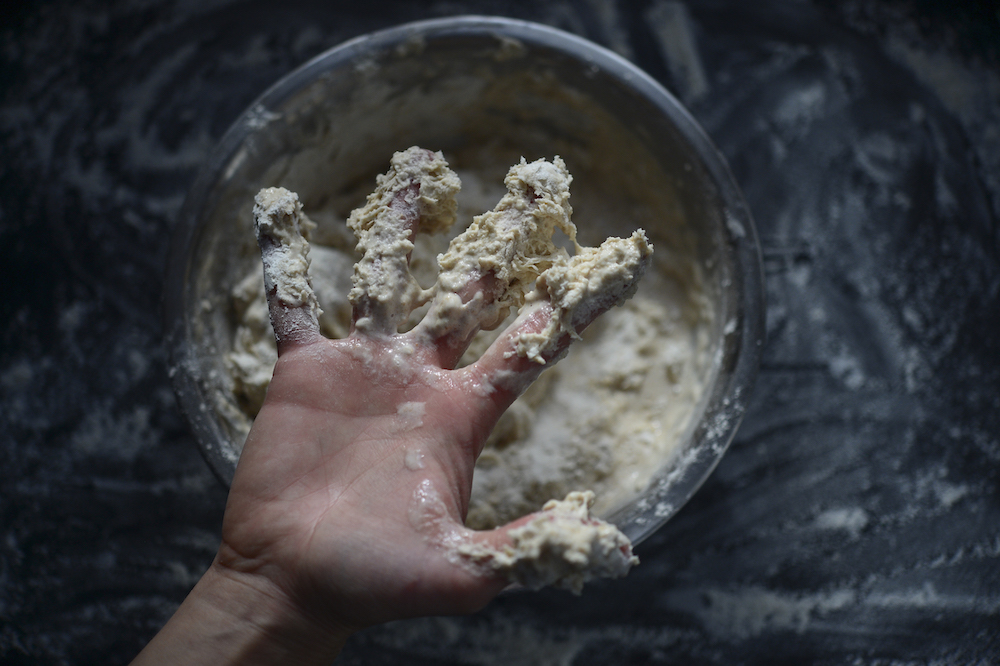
x=856 y=518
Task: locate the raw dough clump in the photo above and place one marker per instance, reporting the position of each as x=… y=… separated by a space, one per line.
x=561 y=546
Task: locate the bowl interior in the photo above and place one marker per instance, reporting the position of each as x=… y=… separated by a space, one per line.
x=485 y=92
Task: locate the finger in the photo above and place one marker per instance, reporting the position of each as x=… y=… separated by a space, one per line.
x=560 y=546
x=568 y=297
x=280 y=226
x=416 y=194
x=588 y=285
x=455 y=317
x=488 y=268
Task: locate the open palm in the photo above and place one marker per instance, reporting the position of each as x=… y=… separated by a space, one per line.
x=354 y=482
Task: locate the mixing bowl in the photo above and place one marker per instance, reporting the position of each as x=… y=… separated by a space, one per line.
x=485 y=91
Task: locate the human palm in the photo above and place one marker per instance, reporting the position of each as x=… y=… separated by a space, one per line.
x=333 y=490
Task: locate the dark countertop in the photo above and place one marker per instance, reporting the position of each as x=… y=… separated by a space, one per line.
x=856 y=517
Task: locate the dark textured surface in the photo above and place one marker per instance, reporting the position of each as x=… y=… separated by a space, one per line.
x=856 y=518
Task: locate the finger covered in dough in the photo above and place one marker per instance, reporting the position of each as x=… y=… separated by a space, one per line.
x=417 y=194
x=282 y=230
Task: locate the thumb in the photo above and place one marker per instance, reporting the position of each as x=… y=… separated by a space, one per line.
x=560 y=546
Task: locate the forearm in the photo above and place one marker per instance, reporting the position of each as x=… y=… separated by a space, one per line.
x=232 y=618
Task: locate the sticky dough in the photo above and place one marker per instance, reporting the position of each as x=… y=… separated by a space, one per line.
x=560 y=546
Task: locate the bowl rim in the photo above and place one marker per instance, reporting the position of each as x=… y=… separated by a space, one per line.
x=732 y=388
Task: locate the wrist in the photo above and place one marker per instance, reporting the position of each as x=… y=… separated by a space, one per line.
x=233 y=617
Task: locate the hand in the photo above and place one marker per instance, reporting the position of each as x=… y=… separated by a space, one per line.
x=348 y=503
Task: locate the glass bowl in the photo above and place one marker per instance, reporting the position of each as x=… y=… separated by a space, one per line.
x=482 y=90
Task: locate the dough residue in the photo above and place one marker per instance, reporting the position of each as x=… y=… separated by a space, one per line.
x=418 y=188
x=514 y=241
x=595 y=279
x=561 y=546
x=283 y=236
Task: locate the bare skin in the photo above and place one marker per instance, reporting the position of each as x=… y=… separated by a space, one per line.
x=329 y=526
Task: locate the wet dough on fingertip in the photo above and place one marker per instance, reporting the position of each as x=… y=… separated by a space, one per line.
x=282 y=233
x=513 y=243
x=580 y=288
